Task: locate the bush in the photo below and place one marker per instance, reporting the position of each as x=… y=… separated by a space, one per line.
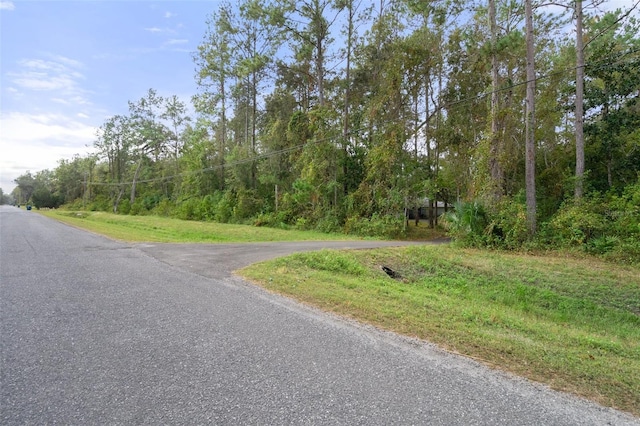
x=75 y=205
x=186 y=210
x=272 y=220
x=124 y=207
x=577 y=222
x=603 y=226
x=377 y=226
x=151 y=201
x=207 y=208
x=508 y=228
x=136 y=208
x=224 y=210
x=467 y=223
x=164 y=208
x=100 y=204
x=602 y=245
x=626 y=251
x=302 y=224
x=329 y=223
x=248 y=204
x=625 y=212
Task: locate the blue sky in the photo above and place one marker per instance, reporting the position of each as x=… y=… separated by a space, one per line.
x=66 y=66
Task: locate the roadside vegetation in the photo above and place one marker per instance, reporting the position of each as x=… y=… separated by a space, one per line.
x=571 y=323
x=603 y=225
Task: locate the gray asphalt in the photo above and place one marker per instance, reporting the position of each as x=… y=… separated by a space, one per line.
x=98 y=332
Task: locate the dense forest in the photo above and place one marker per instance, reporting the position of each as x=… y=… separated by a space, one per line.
x=347 y=115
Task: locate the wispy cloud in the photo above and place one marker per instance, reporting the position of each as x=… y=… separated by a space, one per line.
x=13 y=91
x=72 y=101
x=49 y=128
x=174 y=41
x=169 y=15
x=158 y=30
x=7 y=5
x=32 y=141
x=58 y=74
x=66 y=61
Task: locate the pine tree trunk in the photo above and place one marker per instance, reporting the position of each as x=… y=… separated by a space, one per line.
x=497 y=174
x=530 y=159
x=579 y=103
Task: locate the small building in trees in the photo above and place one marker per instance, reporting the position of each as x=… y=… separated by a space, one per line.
x=427 y=210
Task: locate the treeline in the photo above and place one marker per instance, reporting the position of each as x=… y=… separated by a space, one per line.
x=342 y=115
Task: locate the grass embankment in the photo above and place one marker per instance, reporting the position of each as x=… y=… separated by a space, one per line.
x=573 y=324
x=168 y=230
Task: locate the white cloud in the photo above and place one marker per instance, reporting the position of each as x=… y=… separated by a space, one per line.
x=157 y=30
x=35 y=142
x=71 y=101
x=176 y=41
x=59 y=75
x=7 y=5
x=66 y=61
x=49 y=129
x=40 y=81
x=169 y=15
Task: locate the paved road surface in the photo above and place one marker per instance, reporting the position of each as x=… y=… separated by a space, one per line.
x=98 y=332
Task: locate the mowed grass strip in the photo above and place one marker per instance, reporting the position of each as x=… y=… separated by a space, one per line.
x=573 y=324
x=169 y=230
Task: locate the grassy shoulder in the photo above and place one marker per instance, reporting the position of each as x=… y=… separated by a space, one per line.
x=573 y=324
x=168 y=230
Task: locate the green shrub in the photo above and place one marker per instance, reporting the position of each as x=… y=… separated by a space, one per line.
x=578 y=221
x=602 y=245
x=248 y=204
x=186 y=210
x=302 y=224
x=100 y=204
x=224 y=210
x=207 y=208
x=626 y=251
x=467 y=223
x=329 y=223
x=125 y=206
x=508 y=228
x=625 y=212
x=137 y=208
x=272 y=220
x=164 y=208
x=75 y=205
x=384 y=226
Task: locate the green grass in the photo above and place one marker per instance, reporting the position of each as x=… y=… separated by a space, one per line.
x=168 y=230
x=573 y=324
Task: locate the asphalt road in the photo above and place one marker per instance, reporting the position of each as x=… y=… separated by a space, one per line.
x=98 y=332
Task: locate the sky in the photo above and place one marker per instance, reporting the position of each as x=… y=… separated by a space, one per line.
x=67 y=66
